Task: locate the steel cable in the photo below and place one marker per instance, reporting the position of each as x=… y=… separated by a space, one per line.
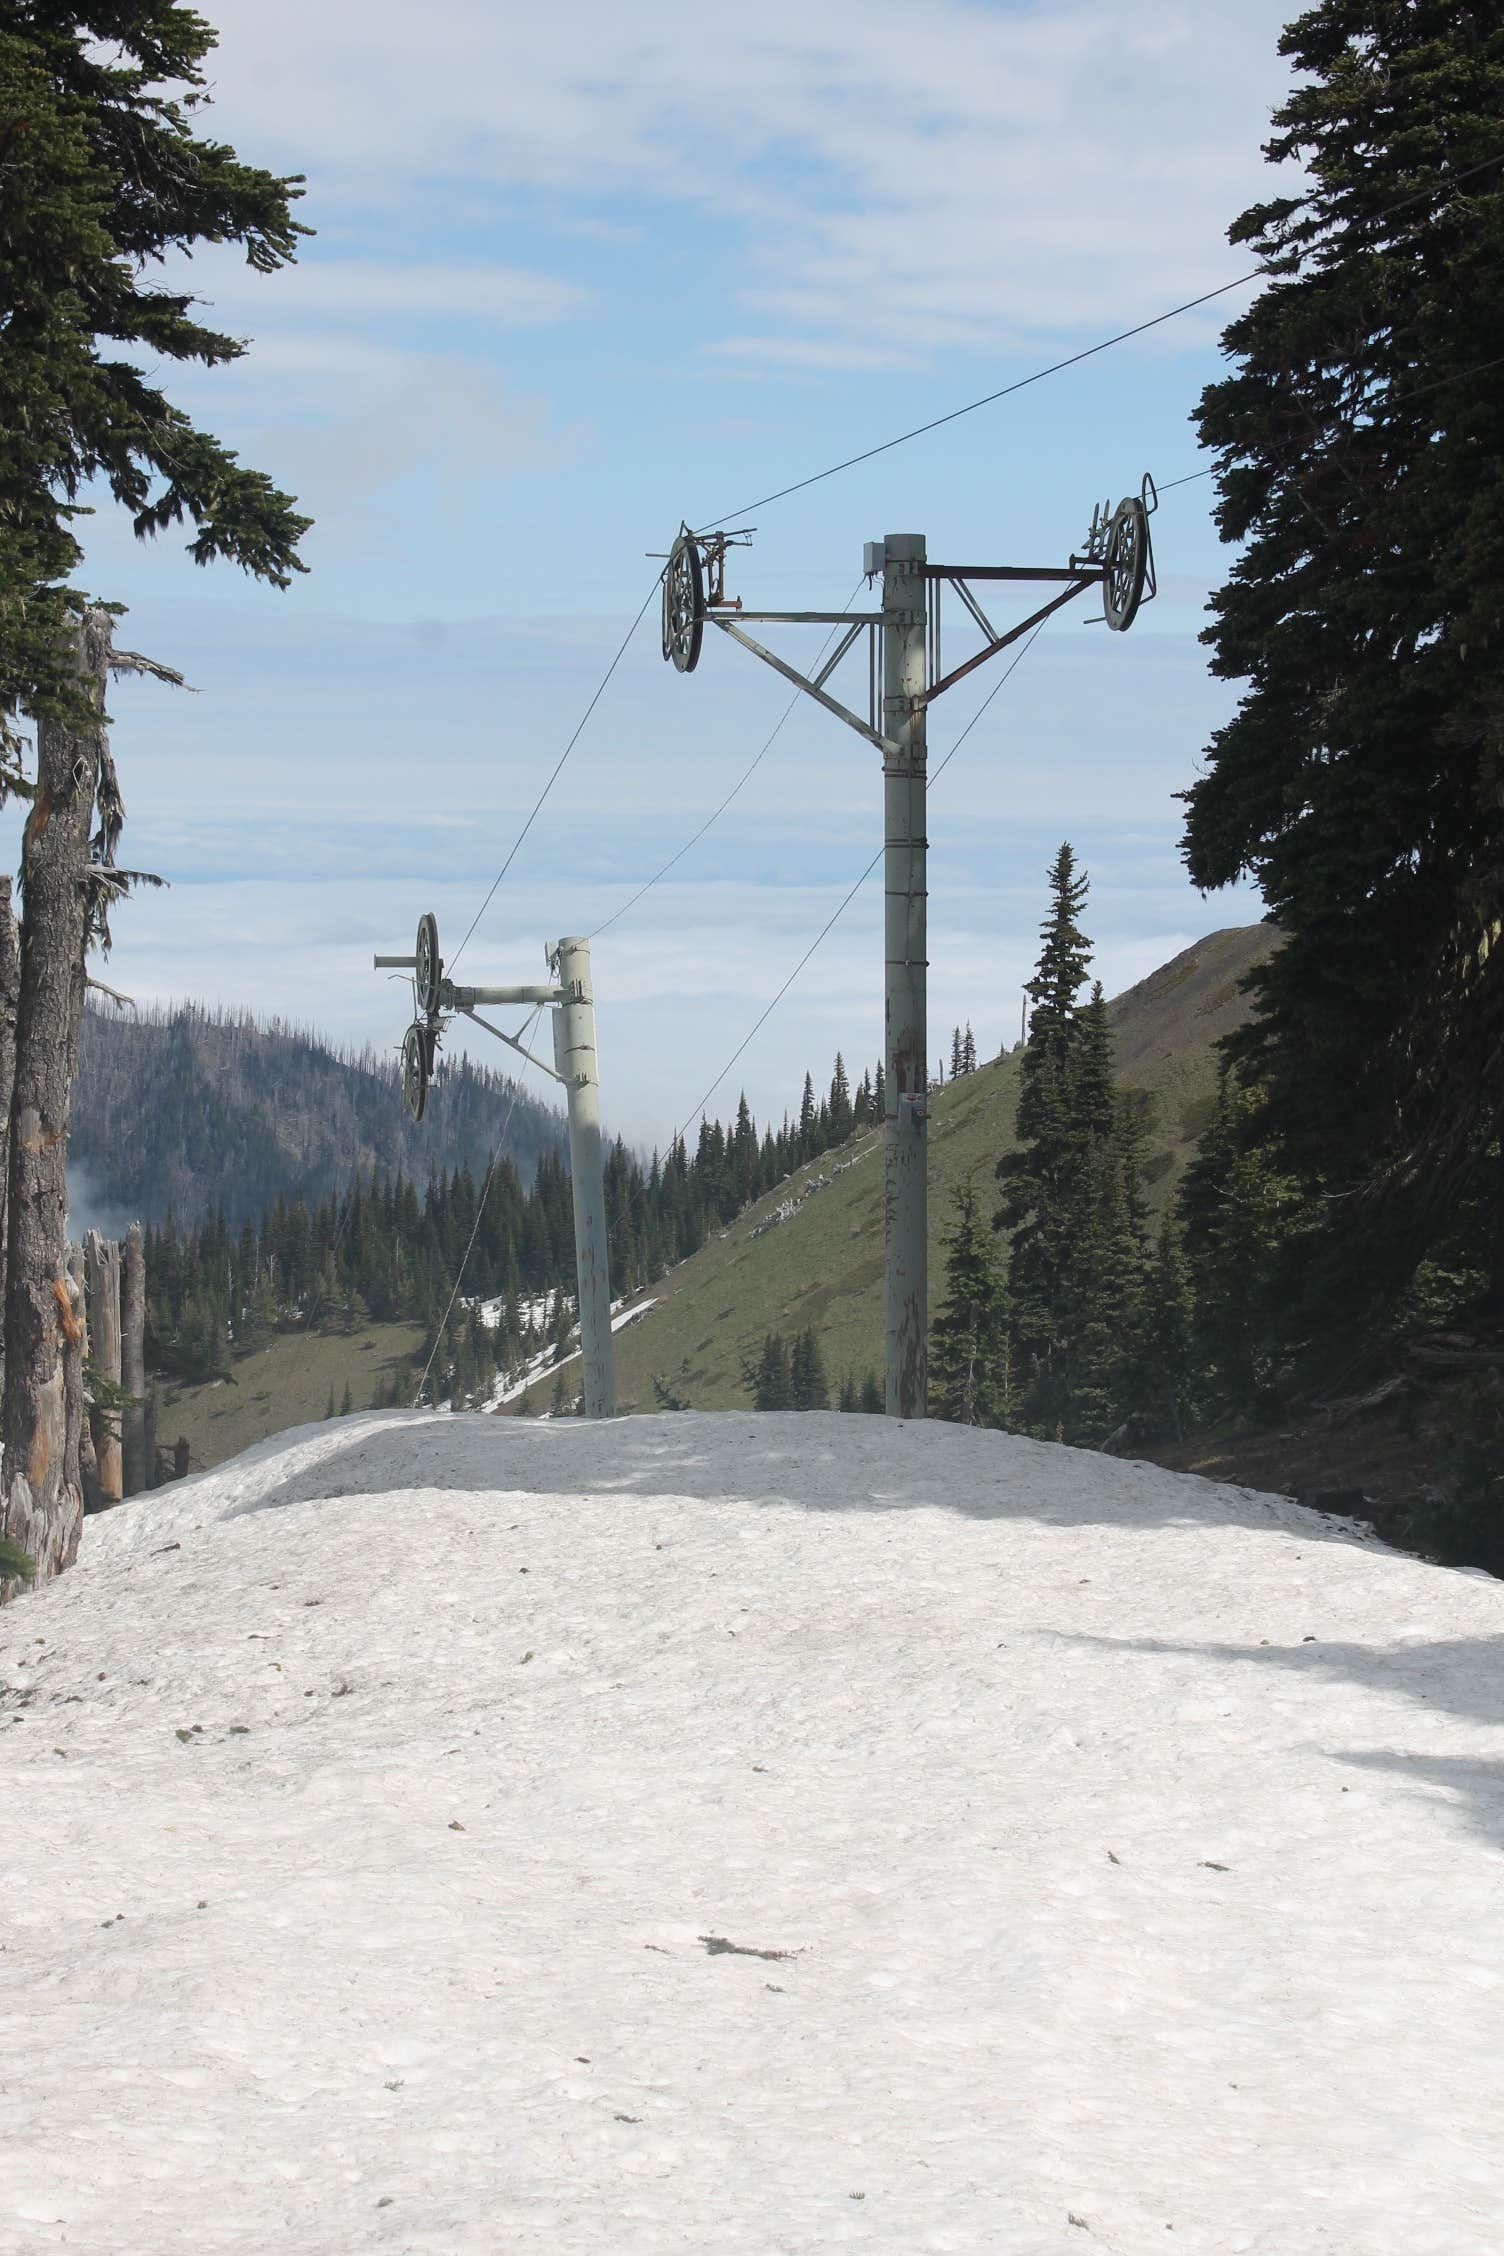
x=480 y=1208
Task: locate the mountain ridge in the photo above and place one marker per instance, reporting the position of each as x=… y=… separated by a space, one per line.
x=187 y=1110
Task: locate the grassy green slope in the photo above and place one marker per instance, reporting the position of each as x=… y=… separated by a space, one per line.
x=286 y=1383
x=824 y=1267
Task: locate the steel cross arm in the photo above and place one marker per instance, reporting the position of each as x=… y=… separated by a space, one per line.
x=512 y=1043
x=1001 y=642
x=805 y=618
x=465 y=998
x=801 y=681
x=1071 y=571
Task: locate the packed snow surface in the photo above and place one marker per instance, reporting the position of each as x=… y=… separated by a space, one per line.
x=745 y=1835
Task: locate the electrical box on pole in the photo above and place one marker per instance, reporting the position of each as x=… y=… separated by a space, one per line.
x=905 y=675
x=572 y=999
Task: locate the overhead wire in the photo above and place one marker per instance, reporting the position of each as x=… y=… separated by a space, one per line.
x=600 y=691
x=782 y=493
x=697 y=1112
x=1390 y=399
x=1074 y=360
x=480 y=1208
x=1168 y=486
x=744 y=778
x=920 y=430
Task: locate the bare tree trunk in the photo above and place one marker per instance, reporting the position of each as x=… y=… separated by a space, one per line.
x=102 y=1262
x=10 y=1003
x=133 y=1360
x=39 y=1474
x=88 y=1463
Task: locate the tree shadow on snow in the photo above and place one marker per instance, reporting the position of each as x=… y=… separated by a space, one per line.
x=1462 y=1676
x=816 y=1461
x=834 y=1463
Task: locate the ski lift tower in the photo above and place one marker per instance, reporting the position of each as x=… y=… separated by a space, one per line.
x=438 y=999
x=905 y=675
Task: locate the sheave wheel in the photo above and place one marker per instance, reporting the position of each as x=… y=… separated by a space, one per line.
x=684 y=604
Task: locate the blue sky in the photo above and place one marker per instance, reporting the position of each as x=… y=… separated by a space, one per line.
x=580 y=273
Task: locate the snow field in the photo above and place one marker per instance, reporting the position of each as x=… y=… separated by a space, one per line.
x=373 y=1856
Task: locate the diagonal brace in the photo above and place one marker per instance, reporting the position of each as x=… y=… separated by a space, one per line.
x=802 y=681
x=512 y=1043
x=841 y=648
x=1001 y=642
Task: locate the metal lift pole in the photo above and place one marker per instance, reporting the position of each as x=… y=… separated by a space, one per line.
x=574 y=1054
x=905 y=1031
x=1119 y=559
x=574 y=1067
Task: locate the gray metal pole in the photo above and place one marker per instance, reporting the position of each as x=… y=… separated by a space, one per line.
x=906 y=1043
x=574 y=1051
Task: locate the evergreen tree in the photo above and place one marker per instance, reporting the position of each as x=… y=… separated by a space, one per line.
x=744 y=1155
x=1360 y=449
x=847 y=1399
x=966 y=1338
x=955 y=1053
x=347 y=1403
x=968 y=1050
x=329 y=1405
x=772 y=1380
x=1103 y=1311
x=809 y=1388
x=872 y=1396
x=1040 y=1177
x=1093 y=1085
x=104 y=178
x=1165 y=1359
x=840 y=1102
x=808 y=1140
x=1242 y=1212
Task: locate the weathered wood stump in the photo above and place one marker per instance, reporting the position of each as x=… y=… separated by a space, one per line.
x=102 y=1262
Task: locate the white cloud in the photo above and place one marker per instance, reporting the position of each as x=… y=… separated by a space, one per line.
x=975 y=169
x=368 y=289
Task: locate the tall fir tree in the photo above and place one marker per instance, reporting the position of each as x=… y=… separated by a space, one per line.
x=1038 y=1176
x=1102 y=1297
x=1164 y=1390
x=840 y=1102
x=809 y=1142
x=1360 y=464
x=771 y=1382
x=809 y=1388
x=968 y=1336
x=1243 y=1213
